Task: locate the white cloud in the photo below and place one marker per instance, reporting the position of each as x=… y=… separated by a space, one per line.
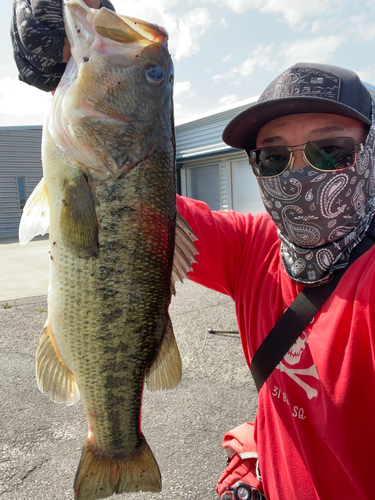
x=180 y=87
x=271 y=58
x=317 y=25
x=228 y=99
x=367 y=75
x=227 y=58
x=184 y=30
x=18 y=98
x=260 y=57
x=317 y=50
x=362 y=29
x=191 y=26
x=292 y=11
x=223 y=22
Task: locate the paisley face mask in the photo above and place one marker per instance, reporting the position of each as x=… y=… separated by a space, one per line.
x=321 y=216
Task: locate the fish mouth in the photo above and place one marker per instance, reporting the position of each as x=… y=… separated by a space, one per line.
x=83 y=24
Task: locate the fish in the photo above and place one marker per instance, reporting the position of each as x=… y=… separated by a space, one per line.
x=117 y=243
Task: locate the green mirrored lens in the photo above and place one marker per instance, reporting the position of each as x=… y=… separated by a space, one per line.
x=334 y=153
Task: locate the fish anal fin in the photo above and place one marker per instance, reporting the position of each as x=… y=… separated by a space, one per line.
x=35 y=215
x=78 y=219
x=100 y=476
x=165 y=370
x=53 y=377
x=184 y=252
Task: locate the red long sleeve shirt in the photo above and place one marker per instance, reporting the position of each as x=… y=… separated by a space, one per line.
x=315 y=427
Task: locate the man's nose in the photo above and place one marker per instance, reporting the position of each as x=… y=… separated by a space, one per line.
x=299 y=161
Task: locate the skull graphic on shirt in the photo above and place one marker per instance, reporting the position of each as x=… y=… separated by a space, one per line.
x=293 y=357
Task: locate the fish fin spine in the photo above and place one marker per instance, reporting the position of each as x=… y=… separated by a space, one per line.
x=35 y=215
x=184 y=252
x=100 y=477
x=165 y=370
x=53 y=377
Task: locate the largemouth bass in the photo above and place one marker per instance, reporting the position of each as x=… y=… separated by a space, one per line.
x=109 y=197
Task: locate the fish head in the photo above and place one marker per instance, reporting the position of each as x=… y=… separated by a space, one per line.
x=115 y=100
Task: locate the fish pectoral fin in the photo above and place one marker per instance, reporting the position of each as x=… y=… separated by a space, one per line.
x=100 y=477
x=165 y=370
x=53 y=377
x=78 y=219
x=35 y=215
x=184 y=252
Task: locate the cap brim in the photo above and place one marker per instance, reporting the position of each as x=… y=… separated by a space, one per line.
x=241 y=131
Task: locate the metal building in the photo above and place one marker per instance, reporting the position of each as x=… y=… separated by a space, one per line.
x=208 y=169
x=20 y=172
x=211 y=171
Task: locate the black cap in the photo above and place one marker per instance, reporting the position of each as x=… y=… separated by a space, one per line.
x=303 y=88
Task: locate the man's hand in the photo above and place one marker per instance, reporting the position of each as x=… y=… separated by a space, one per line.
x=40 y=47
x=242 y=451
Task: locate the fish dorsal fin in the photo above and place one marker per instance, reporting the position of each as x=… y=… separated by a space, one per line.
x=53 y=377
x=184 y=252
x=165 y=370
x=35 y=215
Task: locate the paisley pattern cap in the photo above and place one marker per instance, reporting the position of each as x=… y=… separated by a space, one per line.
x=303 y=88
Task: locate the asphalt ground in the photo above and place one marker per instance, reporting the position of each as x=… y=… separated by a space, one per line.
x=41 y=441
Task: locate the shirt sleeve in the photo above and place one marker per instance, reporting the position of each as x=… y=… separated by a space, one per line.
x=220 y=242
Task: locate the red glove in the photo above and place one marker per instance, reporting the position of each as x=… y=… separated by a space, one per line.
x=242 y=452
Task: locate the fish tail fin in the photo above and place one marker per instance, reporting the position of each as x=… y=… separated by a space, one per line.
x=100 y=477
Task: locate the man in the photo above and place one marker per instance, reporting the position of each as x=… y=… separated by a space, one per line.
x=310 y=141
x=314 y=421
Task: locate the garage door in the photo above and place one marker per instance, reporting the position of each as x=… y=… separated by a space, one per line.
x=245 y=192
x=203 y=183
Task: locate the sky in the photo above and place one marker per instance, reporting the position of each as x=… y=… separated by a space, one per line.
x=224 y=51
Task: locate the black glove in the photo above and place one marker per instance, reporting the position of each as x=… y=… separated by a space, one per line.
x=38 y=35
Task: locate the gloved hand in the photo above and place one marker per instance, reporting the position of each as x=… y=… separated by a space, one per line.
x=38 y=39
x=242 y=452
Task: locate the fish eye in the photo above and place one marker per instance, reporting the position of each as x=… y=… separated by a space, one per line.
x=155 y=74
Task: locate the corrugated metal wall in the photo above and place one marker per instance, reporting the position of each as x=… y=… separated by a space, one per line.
x=20 y=153
x=203 y=136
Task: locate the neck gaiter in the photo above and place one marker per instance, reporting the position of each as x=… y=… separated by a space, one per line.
x=321 y=216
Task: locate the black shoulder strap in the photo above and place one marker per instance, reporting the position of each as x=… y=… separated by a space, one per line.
x=298 y=316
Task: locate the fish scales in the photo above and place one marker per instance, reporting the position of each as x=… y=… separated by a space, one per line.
x=109 y=190
x=119 y=310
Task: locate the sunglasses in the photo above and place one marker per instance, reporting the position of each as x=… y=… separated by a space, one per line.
x=328 y=155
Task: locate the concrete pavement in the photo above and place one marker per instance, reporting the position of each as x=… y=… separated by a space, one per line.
x=23 y=270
